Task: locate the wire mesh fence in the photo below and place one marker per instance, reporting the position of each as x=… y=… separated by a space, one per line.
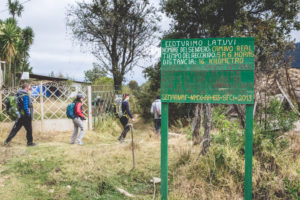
x=50 y=99
x=102 y=103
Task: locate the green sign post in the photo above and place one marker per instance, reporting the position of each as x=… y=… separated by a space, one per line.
x=213 y=70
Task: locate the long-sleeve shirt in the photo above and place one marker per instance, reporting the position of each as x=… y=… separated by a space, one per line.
x=156 y=109
x=26 y=105
x=125 y=109
x=78 y=109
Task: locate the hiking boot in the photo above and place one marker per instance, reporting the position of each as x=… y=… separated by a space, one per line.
x=121 y=139
x=79 y=142
x=6 y=143
x=31 y=144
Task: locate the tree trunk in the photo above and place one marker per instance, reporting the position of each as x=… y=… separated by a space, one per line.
x=196 y=124
x=14 y=77
x=240 y=113
x=9 y=72
x=118 y=79
x=207 y=128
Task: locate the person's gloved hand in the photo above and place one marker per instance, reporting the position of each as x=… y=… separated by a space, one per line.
x=82 y=118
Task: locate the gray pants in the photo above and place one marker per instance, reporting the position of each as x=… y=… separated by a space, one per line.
x=78 y=123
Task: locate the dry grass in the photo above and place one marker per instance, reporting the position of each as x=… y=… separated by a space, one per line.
x=57 y=170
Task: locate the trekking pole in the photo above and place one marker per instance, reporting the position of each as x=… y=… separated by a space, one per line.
x=132 y=146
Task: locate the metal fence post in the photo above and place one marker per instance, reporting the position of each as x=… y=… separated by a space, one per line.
x=90 y=117
x=42 y=105
x=248 y=152
x=164 y=151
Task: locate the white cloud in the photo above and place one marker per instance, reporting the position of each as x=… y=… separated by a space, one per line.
x=53 y=50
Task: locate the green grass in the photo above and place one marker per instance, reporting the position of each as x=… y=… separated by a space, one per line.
x=57 y=170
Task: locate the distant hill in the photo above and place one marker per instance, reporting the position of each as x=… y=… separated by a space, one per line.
x=296 y=62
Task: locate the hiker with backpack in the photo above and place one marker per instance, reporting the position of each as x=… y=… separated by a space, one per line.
x=156 y=110
x=23 y=114
x=124 y=116
x=74 y=111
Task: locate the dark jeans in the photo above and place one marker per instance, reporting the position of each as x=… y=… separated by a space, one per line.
x=124 y=121
x=157 y=123
x=27 y=123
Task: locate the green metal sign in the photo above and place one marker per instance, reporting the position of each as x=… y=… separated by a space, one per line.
x=214 y=70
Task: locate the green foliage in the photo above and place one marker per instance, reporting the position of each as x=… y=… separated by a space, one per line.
x=15 y=44
x=15 y=8
x=275 y=118
x=230 y=131
x=149 y=90
x=153 y=74
x=106 y=81
x=94 y=74
x=292 y=188
x=145 y=97
x=134 y=86
x=223 y=165
x=2 y=117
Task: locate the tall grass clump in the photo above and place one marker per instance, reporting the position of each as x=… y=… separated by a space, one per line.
x=220 y=173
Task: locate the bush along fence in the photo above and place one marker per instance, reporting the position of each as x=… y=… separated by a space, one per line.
x=50 y=100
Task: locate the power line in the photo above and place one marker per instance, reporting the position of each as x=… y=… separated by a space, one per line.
x=2 y=11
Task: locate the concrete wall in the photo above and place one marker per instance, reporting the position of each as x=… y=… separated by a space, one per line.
x=49 y=125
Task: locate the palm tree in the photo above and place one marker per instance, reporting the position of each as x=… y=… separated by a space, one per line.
x=27 y=36
x=21 y=61
x=15 y=8
x=9 y=40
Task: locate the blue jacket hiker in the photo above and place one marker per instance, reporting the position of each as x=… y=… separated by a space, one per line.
x=125 y=118
x=25 y=108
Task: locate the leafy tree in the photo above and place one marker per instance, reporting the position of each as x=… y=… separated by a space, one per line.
x=104 y=83
x=119 y=32
x=153 y=75
x=149 y=90
x=15 y=43
x=133 y=85
x=10 y=37
x=15 y=8
x=95 y=73
x=27 y=41
x=270 y=22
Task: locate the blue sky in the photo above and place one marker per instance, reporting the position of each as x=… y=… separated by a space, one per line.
x=53 y=48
